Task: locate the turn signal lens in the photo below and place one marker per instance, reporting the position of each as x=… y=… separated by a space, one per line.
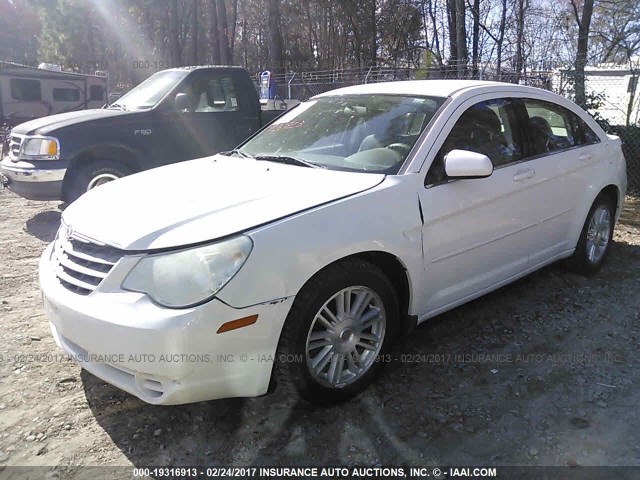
x=235 y=324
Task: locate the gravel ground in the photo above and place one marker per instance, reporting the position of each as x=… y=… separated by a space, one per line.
x=542 y=372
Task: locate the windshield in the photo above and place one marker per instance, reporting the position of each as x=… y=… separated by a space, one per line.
x=151 y=91
x=367 y=133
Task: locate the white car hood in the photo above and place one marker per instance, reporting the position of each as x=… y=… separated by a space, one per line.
x=204 y=199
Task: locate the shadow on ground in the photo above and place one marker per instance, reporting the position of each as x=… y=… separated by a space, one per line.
x=630 y=214
x=44 y=225
x=429 y=406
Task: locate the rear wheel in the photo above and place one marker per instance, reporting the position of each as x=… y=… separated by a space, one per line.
x=338 y=326
x=94 y=174
x=595 y=238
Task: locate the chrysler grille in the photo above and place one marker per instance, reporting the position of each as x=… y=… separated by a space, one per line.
x=81 y=266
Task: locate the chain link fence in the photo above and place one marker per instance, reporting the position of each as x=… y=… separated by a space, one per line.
x=610 y=94
x=630 y=137
x=612 y=98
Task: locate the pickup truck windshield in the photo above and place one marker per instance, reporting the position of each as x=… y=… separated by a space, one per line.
x=151 y=91
x=367 y=133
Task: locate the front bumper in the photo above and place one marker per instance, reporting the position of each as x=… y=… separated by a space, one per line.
x=30 y=181
x=163 y=356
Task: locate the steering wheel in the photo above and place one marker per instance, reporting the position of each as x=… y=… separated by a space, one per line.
x=402 y=148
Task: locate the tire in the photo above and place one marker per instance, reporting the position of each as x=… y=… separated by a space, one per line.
x=92 y=175
x=595 y=238
x=307 y=340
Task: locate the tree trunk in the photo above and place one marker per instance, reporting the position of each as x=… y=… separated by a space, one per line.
x=276 y=54
x=234 y=21
x=461 y=39
x=476 y=37
x=503 y=22
x=584 y=24
x=174 y=43
x=214 y=38
x=374 y=35
x=453 y=31
x=436 y=40
x=91 y=49
x=244 y=38
x=523 y=5
x=193 y=33
x=223 y=30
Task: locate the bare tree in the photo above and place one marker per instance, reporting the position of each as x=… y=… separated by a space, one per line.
x=584 y=22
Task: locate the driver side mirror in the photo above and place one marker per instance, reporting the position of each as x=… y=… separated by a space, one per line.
x=466 y=164
x=183 y=102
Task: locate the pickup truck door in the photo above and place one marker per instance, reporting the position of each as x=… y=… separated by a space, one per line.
x=220 y=117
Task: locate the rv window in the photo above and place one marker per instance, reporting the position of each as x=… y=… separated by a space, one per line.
x=96 y=93
x=66 y=94
x=25 y=90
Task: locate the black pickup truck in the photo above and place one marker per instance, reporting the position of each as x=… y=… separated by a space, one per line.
x=174 y=115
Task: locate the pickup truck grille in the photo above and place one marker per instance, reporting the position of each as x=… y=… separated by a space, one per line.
x=81 y=266
x=14 y=146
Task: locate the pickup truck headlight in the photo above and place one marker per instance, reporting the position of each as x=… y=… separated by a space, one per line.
x=40 y=148
x=189 y=277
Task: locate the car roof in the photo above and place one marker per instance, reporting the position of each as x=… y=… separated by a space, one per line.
x=434 y=88
x=207 y=67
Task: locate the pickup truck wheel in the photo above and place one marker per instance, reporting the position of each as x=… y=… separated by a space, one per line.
x=93 y=175
x=340 y=324
x=595 y=238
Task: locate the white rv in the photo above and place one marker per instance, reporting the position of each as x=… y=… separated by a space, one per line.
x=27 y=93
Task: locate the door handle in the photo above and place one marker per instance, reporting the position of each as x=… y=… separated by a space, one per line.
x=523 y=175
x=584 y=157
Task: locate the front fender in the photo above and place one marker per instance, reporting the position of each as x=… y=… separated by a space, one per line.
x=287 y=253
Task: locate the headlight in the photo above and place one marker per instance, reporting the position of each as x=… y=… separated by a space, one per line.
x=40 y=148
x=189 y=277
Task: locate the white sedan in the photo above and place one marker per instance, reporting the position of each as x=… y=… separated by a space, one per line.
x=301 y=256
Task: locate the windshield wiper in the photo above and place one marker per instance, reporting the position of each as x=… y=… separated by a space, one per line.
x=236 y=152
x=287 y=160
x=118 y=105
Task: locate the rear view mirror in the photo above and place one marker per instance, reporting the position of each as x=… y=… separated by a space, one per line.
x=183 y=102
x=466 y=164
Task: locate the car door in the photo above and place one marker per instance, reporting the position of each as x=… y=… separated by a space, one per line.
x=559 y=173
x=476 y=232
x=216 y=119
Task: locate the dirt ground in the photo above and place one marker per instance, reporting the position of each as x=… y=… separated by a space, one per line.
x=543 y=372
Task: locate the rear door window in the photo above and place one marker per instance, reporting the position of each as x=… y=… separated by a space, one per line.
x=553 y=128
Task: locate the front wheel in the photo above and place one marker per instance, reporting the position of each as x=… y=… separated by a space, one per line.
x=595 y=238
x=339 y=325
x=93 y=175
